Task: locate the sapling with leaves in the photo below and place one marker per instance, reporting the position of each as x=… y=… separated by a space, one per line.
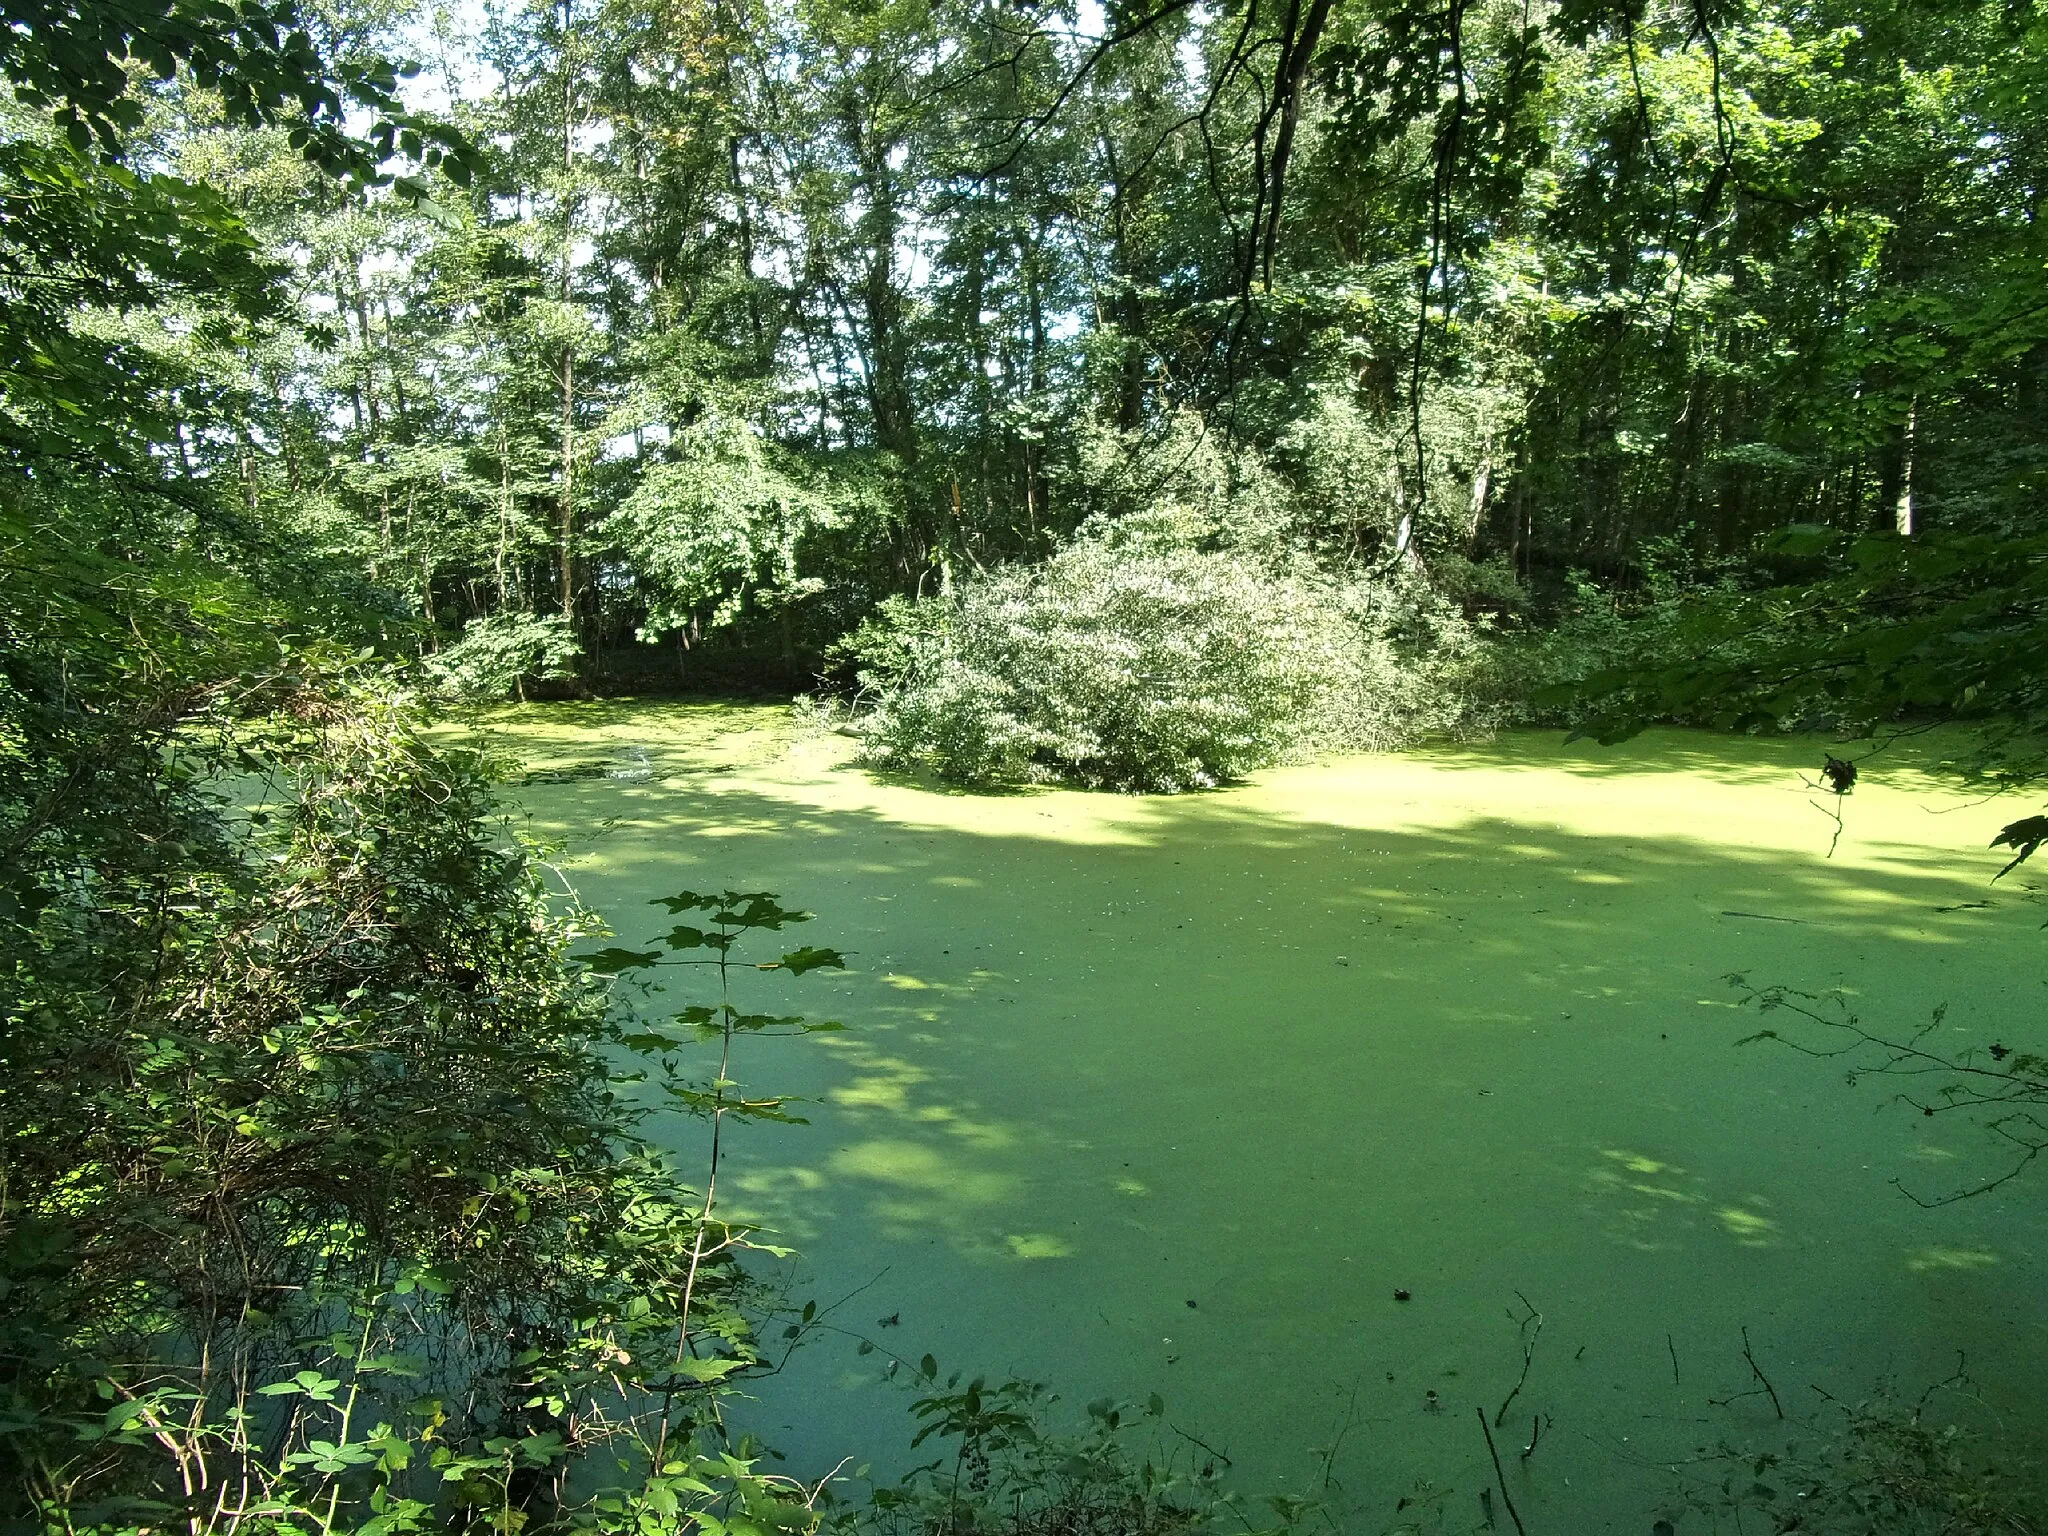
x=733 y=915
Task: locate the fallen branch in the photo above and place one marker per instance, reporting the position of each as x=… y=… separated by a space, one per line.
x=1499 y=1476
x=1758 y=1372
x=1528 y=1356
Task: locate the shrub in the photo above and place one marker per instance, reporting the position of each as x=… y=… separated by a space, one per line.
x=500 y=652
x=1006 y=1467
x=1878 y=1466
x=1135 y=663
x=1181 y=484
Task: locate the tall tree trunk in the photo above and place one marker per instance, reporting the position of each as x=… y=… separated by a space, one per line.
x=504 y=504
x=1127 y=308
x=881 y=301
x=566 y=526
x=361 y=305
x=1482 y=482
x=746 y=227
x=404 y=424
x=1902 y=509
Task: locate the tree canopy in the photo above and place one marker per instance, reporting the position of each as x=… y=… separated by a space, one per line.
x=756 y=314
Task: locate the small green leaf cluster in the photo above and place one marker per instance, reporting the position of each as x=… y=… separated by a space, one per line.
x=1006 y=1465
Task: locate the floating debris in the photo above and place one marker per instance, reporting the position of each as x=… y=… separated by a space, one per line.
x=637 y=767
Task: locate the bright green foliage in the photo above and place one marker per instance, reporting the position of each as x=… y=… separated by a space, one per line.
x=713 y=526
x=499 y=653
x=261 y=58
x=1132 y=666
x=83 y=234
x=1167 y=407
x=800 y=308
x=92 y=233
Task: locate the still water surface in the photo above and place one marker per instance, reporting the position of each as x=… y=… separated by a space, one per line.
x=1175 y=1094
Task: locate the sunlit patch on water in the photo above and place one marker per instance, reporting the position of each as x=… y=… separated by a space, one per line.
x=1951 y=1258
x=1747 y=1227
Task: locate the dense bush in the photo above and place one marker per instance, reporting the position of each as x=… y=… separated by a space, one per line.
x=500 y=653
x=1133 y=661
x=1005 y=1467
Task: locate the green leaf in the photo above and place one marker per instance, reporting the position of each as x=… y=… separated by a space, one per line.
x=798 y=961
x=307 y=1383
x=753 y=1023
x=612 y=961
x=710 y=1370
x=686 y=901
x=393 y=1364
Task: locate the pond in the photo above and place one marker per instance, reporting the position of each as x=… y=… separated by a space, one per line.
x=1180 y=1094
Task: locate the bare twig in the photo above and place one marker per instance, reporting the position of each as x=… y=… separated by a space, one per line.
x=1758 y=1372
x=1529 y=1337
x=1196 y=1440
x=1337 y=1441
x=1956 y=1381
x=1833 y=812
x=2014 y=1083
x=1499 y=1476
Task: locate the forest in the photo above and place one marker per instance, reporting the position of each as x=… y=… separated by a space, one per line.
x=474 y=471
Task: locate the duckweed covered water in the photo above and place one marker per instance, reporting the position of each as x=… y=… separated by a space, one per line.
x=1176 y=1094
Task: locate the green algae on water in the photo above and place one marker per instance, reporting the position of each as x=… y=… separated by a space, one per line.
x=1453 y=1022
